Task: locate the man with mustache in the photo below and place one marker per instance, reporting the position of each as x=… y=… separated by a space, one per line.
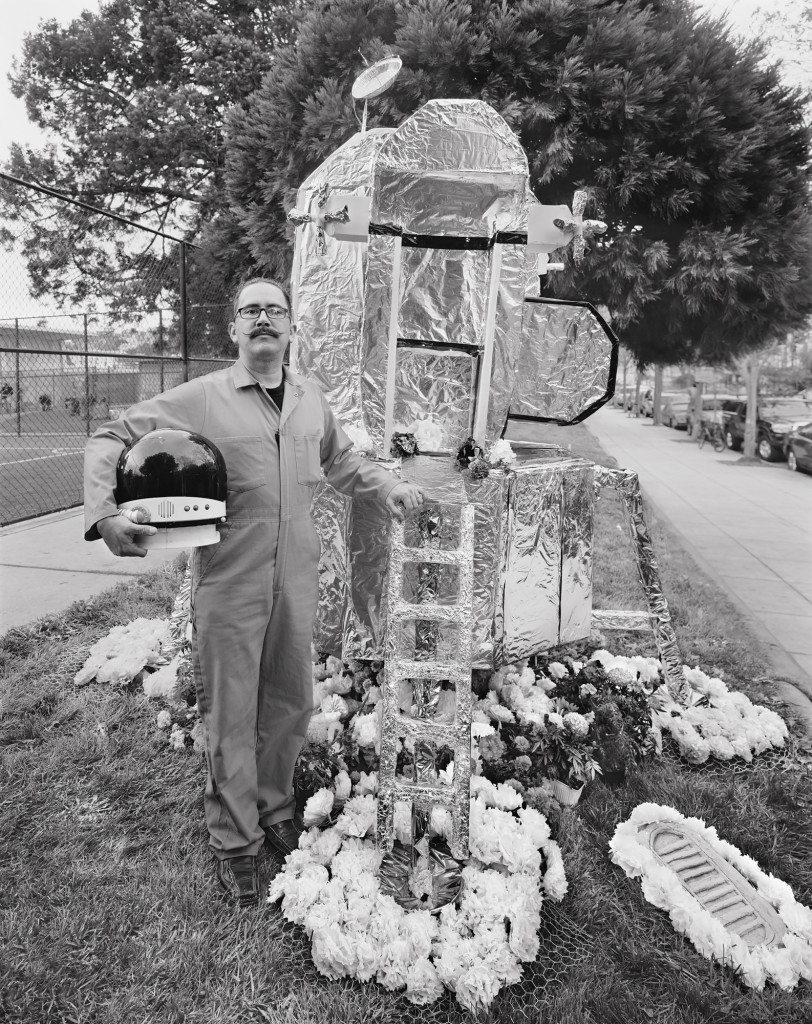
x=254 y=594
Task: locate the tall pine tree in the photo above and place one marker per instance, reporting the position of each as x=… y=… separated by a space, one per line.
x=694 y=153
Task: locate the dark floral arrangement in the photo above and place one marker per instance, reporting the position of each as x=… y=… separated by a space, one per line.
x=404 y=446
x=621 y=729
x=471 y=457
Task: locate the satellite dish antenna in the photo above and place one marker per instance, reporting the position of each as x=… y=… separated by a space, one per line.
x=375 y=80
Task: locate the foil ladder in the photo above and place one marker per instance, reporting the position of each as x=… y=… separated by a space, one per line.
x=425 y=794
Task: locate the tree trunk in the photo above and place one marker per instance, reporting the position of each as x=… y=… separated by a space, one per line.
x=753 y=368
x=637 y=382
x=696 y=407
x=656 y=402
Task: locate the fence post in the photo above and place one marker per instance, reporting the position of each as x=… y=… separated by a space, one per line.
x=161 y=346
x=184 y=338
x=87 y=380
x=18 y=400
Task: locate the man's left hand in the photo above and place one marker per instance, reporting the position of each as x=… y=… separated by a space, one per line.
x=404 y=498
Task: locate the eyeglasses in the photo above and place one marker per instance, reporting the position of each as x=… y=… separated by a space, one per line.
x=272 y=312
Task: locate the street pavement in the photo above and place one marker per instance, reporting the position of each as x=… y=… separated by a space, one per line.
x=46 y=565
x=748 y=526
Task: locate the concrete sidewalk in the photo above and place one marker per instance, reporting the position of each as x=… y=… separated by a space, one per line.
x=46 y=565
x=748 y=526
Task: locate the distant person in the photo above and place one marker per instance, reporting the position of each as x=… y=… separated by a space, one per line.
x=254 y=594
x=6 y=391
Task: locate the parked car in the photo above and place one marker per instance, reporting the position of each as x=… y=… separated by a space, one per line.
x=675 y=411
x=647 y=401
x=799 y=448
x=713 y=407
x=775 y=418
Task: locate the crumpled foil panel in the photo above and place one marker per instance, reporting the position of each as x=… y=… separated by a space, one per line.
x=328 y=290
x=563 y=364
x=543 y=598
x=447 y=202
x=531 y=573
x=532 y=557
x=467 y=135
x=507 y=341
x=444 y=295
x=331 y=517
x=367 y=543
x=377 y=306
x=436 y=385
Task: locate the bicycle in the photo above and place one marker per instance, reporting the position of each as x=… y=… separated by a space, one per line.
x=709 y=431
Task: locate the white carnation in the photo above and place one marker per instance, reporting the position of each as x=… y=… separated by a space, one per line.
x=318 y=807
x=501 y=454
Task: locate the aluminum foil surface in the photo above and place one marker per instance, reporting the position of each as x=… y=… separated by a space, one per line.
x=507 y=336
x=532 y=558
x=563 y=364
x=377 y=305
x=444 y=295
x=328 y=290
x=454 y=201
x=367 y=541
x=531 y=577
x=438 y=386
x=330 y=511
x=454 y=168
x=545 y=591
x=466 y=135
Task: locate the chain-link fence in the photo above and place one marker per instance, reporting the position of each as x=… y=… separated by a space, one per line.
x=96 y=313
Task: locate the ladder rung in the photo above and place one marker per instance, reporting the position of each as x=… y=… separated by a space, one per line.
x=436 y=556
x=634 y=621
x=428 y=612
x=423 y=791
x=402 y=669
x=428 y=729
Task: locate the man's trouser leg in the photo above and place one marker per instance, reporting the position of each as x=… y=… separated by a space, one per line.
x=286 y=671
x=252 y=630
x=231 y=609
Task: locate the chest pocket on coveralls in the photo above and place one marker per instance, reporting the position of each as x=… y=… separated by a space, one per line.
x=307 y=450
x=245 y=466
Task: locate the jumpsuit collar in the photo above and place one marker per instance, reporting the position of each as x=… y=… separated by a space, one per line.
x=243 y=378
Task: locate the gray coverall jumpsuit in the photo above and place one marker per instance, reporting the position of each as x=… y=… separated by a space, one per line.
x=254 y=594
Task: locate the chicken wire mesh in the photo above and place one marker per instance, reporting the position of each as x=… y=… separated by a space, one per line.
x=95 y=313
x=563 y=945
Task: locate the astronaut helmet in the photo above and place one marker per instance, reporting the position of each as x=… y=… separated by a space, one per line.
x=176 y=481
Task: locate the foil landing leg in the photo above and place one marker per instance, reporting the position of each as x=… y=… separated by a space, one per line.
x=628 y=486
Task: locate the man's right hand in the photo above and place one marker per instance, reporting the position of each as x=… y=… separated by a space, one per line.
x=121 y=536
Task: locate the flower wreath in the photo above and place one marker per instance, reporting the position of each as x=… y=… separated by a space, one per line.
x=330 y=887
x=783 y=963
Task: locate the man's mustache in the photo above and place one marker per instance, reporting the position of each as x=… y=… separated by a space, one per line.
x=257 y=331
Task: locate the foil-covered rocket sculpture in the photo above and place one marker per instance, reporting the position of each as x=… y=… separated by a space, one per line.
x=415 y=289
x=423 y=313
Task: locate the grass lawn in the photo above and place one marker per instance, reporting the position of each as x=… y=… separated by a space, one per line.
x=108 y=906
